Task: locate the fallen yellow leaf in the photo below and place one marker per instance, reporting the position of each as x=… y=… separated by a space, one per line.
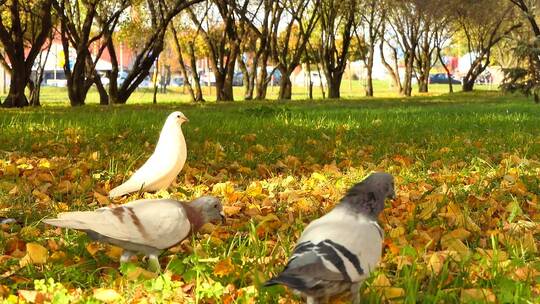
x=482 y=295
x=102 y=199
x=35 y=254
x=92 y=248
x=107 y=295
x=139 y=272
x=224 y=267
x=114 y=252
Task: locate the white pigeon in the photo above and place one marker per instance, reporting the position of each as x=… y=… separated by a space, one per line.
x=168 y=159
x=338 y=251
x=148 y=226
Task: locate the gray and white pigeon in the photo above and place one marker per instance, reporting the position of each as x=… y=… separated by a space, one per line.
x=338 y=251
x=168 y=159
x=148 y=226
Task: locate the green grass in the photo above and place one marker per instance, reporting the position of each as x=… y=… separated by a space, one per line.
x=349 y=90
x=479 y=151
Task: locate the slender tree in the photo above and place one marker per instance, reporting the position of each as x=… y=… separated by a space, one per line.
x=263 y=18
x=78 y=23
x=299 y=18
x=182 y=44
x=337 y=23
x=24 y=28
x=221 y=36
x=523 y=73
x=146 y=28
x=372 y=14
x=483 y=23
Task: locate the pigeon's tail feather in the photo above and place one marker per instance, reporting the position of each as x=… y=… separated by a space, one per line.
x=290 y=281
x=125 y=188
x=75 y=220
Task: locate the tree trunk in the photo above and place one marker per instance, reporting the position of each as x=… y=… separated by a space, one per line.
x=223 y=87
x=76 y=93
x=261 y=86
x=285 y=86
x=334 y=85
x=183 y=70
x=19 y=79
x=196 y=79
x=392 y=71
x=77 y=83
x=113 y=75
x=155 y=79
x=468 y=85
x=310 y=84
x=369 y=74
x=448 y=74
x=224 y=90
x=423 y=84
x=321 y=83
x=34 y=93
x=35 y=85
x=252 y=77
x=103 y=96
x=262 y=82
x=407 y=85
x=248 y=90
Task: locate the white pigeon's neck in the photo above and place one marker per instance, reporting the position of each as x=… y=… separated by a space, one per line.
x=170 y=134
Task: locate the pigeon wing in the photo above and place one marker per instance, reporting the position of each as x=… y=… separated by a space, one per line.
x=155 y=223
x=154 y=173
x=337 y=247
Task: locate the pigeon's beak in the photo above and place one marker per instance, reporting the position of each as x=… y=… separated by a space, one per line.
x=222 y=217
x=185 y=119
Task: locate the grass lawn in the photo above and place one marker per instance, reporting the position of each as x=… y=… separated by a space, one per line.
x=349 y=90
x=464 y=227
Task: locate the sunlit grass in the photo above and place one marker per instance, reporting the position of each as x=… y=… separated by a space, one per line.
x=283 y=164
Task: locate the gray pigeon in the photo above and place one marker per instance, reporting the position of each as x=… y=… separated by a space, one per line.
x=338 y=251
x=148 y=226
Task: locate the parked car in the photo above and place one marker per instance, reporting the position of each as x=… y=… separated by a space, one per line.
x=177 y=81
x=302 y=79
x=442 y=78
x=274 y=74
x=121 y=78
x=207 y=78
x=484 y=78
x=105 y=80
x=146 y=83
x=238 y=79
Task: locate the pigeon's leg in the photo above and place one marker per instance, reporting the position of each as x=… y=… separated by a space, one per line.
x=355 y=292
x=153 y=263
x=312 y=300
x=126 y=256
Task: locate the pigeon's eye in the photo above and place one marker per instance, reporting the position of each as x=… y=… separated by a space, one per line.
x=177 y=116
x=215 y=206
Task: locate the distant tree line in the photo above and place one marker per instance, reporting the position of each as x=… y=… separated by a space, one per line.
x=412 y=36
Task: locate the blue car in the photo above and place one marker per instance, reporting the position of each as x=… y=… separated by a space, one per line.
x=442 y=78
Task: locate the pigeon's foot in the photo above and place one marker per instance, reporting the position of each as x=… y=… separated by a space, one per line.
x=126 y=256
x=355 y=292
x=312 y=300
x=153 y=263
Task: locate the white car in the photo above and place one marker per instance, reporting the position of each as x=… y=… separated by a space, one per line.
x=302 y=79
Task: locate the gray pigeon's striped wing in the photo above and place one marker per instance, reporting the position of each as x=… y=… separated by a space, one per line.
x=345 y=250
x=307 y=261
x=155 y=223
